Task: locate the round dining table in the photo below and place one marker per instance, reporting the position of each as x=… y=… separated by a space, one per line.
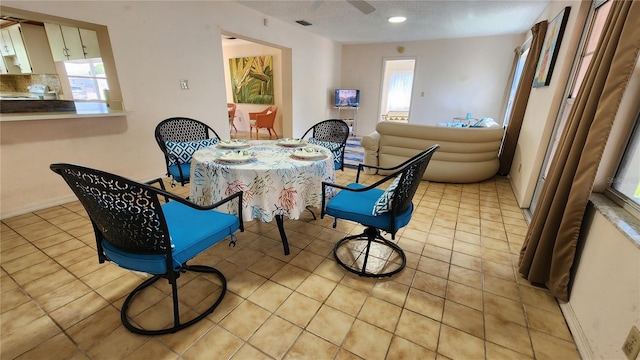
x=278 y=177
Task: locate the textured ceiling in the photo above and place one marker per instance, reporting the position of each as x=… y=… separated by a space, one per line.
x=442 y=19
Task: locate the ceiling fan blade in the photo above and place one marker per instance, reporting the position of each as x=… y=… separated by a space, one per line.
x=316 y=4
x=362 y=5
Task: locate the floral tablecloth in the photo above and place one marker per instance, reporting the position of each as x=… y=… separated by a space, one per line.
x=274 y=182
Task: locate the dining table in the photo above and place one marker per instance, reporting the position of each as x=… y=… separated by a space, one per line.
x=278 y=178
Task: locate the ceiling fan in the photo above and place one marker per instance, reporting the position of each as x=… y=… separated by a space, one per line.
x=362 y=5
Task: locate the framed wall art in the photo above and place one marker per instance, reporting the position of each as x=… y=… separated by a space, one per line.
x=550 y=48
x=252 y=79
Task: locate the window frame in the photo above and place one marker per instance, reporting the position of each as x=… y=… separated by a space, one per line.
x=516 y=74
x=613 y=194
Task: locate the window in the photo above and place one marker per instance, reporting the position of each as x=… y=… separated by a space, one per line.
x=87 y=79
x=599 y=17
x=523 y=51
x=399 y=96
x=396 y=89
x=626 y=183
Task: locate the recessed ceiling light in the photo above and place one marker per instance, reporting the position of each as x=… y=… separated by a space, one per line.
x=397 y=19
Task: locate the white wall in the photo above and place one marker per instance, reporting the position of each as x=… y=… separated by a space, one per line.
x=457 y=76
x=154 y=46
x=605 y=296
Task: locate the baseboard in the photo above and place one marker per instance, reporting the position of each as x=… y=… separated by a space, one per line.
x=38 y=206
x=580 y=339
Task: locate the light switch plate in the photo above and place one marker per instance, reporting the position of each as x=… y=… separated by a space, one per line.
x=184 y=84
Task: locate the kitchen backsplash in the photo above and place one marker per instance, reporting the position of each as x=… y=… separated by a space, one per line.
x=19 y=83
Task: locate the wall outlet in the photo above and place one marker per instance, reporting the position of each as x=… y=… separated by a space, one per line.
x=631 y=346
x=184 y=84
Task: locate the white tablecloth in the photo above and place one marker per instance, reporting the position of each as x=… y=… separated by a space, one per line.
x=274 y=182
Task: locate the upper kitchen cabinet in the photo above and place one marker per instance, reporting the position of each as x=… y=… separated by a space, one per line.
x=21 y=59
x=26 y=50
x=70 y=43
x=37 y=47
x=6 y=47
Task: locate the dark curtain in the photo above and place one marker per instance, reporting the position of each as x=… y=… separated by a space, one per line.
x=549 y=248
x=522 y=98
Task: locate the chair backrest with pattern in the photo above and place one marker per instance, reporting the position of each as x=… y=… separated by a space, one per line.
x=126 y=214
x=410 y=177
x=181 y=129
x=334 y=130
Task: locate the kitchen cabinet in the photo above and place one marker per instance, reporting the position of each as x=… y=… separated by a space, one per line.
x=30 y=50
x=3 y=66
x=37 y=46
x=69 y=43
x=90 y=43
x=21 y=59
x=6 y=47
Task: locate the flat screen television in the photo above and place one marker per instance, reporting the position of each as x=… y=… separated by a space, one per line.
x=347 y=97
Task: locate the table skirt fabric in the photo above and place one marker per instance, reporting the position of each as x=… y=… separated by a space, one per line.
x=274 y=182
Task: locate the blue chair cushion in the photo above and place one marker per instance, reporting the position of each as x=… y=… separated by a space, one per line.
x=183 y=151
x=357 y=206
x=192 y=231
x=175 y=173
x=383 y=204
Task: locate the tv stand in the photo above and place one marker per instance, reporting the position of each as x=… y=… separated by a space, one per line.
x=351 y=121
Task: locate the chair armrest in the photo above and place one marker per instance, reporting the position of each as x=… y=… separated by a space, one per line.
x=158 y=181
x=160 y=184
x=371 y=142
x=168 y=195
x=342 y=187
x=253 y=115
x=362 y=166
x=371 y=145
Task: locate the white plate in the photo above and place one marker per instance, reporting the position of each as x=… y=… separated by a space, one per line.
x=236 y=156
x=233 y=144
x=308 y=154
x=291 y=142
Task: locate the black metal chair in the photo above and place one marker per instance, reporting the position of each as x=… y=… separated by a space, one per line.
x=333 y=135
x=179 y=138
x=146 y=229
x=370 y=254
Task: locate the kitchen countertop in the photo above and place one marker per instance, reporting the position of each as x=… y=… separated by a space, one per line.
x=83 y=110
x=35 y=105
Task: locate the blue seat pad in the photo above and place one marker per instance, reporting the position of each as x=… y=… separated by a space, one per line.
x=358 y=206
x=186 y=171
x=192 y=231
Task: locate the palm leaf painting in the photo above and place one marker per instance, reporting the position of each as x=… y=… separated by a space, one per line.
x=252 y=79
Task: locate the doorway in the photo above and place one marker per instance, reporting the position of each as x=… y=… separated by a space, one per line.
x=235 y=46
x=397 y=88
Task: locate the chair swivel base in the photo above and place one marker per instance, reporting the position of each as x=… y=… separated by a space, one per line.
x=177 y=324
x=369 y=254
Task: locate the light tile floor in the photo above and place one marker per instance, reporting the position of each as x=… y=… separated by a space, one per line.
x=460 y=296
